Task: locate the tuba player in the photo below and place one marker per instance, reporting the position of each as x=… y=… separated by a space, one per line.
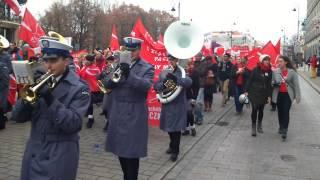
x=173 y=118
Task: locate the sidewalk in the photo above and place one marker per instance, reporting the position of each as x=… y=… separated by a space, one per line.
x=230 y=153
x=314 y=82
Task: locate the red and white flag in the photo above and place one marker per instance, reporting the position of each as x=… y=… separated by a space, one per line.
x=114 y=41
x=30 y=30
x=14 y=5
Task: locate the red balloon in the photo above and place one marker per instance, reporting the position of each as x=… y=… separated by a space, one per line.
x=220 y=51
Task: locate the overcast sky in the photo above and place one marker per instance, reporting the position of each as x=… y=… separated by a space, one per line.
x=264 y=19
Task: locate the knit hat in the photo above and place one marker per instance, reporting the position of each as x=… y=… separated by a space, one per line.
x=263 y=56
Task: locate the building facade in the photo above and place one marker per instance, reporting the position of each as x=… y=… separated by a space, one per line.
x=312 y=29
x=229 y=39
x=9 y=23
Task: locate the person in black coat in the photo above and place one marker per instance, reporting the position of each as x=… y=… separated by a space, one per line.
x=224 y=73
x=259 y=90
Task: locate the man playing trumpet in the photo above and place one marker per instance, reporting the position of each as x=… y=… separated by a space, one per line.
x=128 y=117
x=52 y=151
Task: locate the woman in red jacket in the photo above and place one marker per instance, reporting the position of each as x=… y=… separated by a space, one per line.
x=89 y=73
x=314 y=62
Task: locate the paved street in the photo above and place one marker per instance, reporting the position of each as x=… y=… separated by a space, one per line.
x=223 y=148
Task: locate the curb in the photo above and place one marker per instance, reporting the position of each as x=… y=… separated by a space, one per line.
x=312 y=84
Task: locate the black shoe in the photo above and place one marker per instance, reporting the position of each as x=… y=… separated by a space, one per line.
x=254 y=130
x=260 y=130
x=199 y=123
x=185 y=133
x=90 y=123
x=284 y=136
x=193 y=132
x=174 y=157
x=169 y=151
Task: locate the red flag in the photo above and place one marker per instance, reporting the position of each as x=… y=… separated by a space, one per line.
x=278 y=45
x=114 y=41
x=139 y=31
x=14 y=5
x=30 y=30
x=270 y=50
x=253 y=58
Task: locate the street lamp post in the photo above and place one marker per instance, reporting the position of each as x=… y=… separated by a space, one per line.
x=179 y=9
x=296 y=43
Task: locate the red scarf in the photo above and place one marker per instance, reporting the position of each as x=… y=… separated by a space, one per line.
x=264 y=68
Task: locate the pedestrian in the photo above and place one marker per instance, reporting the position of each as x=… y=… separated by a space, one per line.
x=258 y=88
x=224 y=73
x=210 y=83
x=174 y=114
x=52 y=151
x=314 y=65
x=239 y=76
x=286 y=90
x=15 y=52
x=5 y=66
x=191 y=98
x=99 y=58
x=197 y=76
x=128 y=118
x=89 y=74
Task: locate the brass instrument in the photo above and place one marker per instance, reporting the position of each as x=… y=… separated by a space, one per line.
x=102 y=88
x=124 y=57
x=183 y=40
x=116 y=76
x=4 y=43
x=30 y=93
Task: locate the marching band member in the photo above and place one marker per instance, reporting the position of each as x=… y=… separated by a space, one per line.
x=5 y=70
x=4 y=82
x=128 y=118
x=89 y=73
x=174 y=114
x=52 y=151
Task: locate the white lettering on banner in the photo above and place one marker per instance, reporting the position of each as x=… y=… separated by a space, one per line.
x=154 y=115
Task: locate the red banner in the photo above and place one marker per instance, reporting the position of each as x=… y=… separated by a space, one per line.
x=30 y=30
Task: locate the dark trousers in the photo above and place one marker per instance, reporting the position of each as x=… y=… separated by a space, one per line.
x=130 y=168
x=2 y=119
x=257 y=112
x=175 y=141
x=190 y=118
x=95 y=98
x=284 y=105
x=238 y=90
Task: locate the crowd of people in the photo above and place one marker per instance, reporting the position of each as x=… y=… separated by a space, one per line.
x=89 y=79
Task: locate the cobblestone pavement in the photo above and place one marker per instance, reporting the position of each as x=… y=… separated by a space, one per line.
x=95 y=163
x=230 y=153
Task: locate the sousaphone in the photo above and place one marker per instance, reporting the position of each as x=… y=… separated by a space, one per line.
x=183 y=40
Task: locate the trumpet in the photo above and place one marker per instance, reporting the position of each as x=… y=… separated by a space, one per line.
x=30 y=93
x=116 y=76
x=102 y=88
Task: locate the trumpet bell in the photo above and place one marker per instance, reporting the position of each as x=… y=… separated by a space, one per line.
x=57 y=35
x=4 y=43
x=183 y=40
